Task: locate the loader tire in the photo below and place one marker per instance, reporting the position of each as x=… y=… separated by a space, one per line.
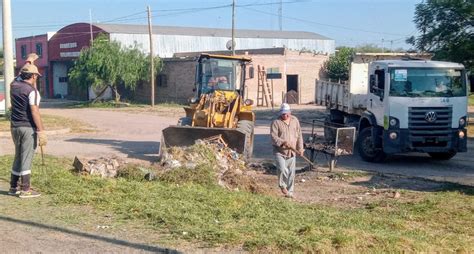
x=185 y=121
x=247 y=127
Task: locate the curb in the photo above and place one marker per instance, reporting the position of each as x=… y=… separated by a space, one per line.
x=4 y=134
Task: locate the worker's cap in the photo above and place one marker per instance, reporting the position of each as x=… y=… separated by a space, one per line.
x=285 y=109
x=30 y=68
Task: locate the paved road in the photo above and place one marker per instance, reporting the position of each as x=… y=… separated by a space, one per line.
x=137 y=136
x=127 y=135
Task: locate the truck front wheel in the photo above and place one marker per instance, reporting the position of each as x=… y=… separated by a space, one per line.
x=366 y=148
x=444 y=156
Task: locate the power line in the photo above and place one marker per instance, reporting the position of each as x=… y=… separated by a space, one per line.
x=119 y=18
x=322 y=24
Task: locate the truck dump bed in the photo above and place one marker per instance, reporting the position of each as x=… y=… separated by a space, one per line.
x=350 y=97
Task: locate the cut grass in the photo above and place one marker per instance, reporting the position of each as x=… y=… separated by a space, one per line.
x=53 y=122
x=471 y=100
x=210 y=215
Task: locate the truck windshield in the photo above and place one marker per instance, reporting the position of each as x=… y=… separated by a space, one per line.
x=219 y=74
x=427 y=82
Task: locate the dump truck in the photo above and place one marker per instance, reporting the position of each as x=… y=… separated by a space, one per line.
x=398 y=105
x=218 y=106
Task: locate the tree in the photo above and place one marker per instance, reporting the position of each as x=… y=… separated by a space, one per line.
x=372 y=48
x=337 y=67
x=446 y=29
x=107 y=63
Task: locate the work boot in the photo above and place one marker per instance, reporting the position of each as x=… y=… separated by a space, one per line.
x=29 y=194
x=13 y=192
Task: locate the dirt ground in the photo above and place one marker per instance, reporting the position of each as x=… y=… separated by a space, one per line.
x=135 y=137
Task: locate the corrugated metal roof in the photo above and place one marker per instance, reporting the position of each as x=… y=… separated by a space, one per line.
x=213 y=32
x=264 y=51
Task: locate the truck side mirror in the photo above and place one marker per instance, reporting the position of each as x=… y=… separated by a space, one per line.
x=372 y=83
x=251 y=72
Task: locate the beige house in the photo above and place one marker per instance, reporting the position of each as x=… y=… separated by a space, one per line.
x=295 y=73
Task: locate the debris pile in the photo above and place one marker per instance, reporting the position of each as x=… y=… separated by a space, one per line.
x=104 y=167
x=327 y=149
x=227 y=165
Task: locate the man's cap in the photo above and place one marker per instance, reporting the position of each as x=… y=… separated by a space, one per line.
x=285 y=109
x=30 y=68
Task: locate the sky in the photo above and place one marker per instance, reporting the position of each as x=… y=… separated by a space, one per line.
x=349 y=22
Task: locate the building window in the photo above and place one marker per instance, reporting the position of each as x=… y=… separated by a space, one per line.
x=63 y=79
x=23 y=51
x=39 y=49
x=162 y=80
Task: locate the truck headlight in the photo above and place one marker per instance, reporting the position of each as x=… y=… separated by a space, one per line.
x=461 y=134
x=393 y=135
x=193 y=100
x=393 y=122
x=462 y=122
x=248 y=102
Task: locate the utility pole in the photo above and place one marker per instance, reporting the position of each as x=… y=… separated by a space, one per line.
x=90 y=27
x=233 y=27
x=382 y=47
x=7 y=51
x=152 y=65
x=280 y=15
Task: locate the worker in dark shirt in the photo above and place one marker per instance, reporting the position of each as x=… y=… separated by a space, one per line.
x=26 y=128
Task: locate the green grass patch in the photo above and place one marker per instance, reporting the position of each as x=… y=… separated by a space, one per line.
x=205 y=213
x=471 y=100
x=53 y=122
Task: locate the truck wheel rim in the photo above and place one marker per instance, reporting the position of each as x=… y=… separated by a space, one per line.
x=368 y=146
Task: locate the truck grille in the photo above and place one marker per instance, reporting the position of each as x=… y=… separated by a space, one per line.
x=430 y=126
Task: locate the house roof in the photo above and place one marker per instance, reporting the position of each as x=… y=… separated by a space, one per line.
x=213 y=32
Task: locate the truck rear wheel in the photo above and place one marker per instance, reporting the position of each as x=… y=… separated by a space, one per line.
x=247 y=127
x=442 y=156
x=366 y=147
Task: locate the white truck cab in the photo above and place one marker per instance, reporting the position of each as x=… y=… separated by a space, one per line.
x=403 y=106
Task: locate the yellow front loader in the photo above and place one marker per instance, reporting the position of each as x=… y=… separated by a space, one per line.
x=218 y=107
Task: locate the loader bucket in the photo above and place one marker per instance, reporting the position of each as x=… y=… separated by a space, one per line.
x=187 y=135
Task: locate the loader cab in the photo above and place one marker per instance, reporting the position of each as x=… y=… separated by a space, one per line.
x=224 y=73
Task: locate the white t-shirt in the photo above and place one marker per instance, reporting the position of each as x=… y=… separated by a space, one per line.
x=34 y=97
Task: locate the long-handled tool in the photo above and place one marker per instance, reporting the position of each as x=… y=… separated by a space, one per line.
x=42 y=156
x=304 y=157
x=43 y=165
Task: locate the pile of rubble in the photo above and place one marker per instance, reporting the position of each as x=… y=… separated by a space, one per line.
x=229 y=166
x=103 y=167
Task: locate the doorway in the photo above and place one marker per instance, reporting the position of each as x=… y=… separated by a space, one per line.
x=292 y=89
